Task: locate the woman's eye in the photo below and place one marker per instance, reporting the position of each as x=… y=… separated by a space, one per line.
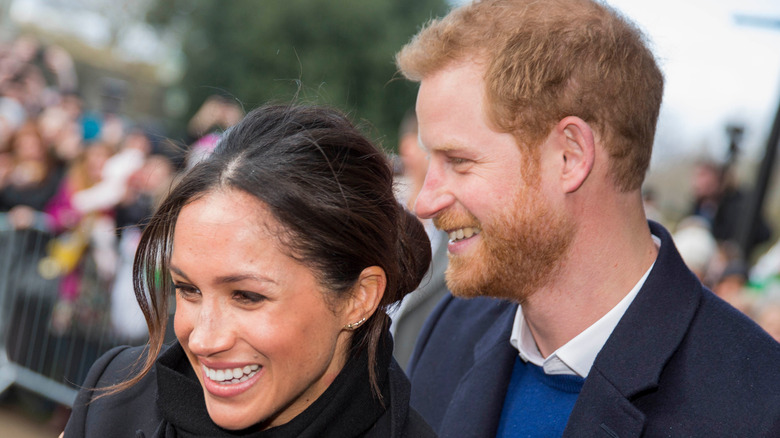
x=186 y=290
x=248 y=297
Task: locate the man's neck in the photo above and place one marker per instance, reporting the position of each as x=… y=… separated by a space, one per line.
x=599 y=271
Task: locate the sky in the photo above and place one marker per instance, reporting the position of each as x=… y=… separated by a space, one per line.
x=718 y=71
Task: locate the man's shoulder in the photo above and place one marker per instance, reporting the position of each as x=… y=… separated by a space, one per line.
x=724 y=370
x=463 y=355
x=477 y=311
x=735 y=338
x=464 y=321
x=728 y=365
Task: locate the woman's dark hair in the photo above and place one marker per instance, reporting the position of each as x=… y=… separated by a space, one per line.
x=332 y=192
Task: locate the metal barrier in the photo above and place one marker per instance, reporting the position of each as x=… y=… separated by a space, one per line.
x=47 y=343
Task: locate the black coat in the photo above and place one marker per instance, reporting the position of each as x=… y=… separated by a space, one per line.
x=680 y=363
x=137 y=413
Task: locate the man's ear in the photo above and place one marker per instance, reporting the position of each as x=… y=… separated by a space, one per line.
x=368 y=293
x=577 y=151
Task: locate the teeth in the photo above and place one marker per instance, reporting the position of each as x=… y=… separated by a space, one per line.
x=231 y=375
x=463 y=233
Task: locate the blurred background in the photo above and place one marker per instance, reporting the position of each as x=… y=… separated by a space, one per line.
x=103 y=103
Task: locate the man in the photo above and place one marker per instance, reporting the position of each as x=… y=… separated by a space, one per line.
x=410 y=315
x=539 y=117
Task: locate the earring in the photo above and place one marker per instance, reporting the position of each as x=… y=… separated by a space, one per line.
x=354 y=325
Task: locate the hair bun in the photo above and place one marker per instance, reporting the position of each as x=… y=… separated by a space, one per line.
x=414 y=252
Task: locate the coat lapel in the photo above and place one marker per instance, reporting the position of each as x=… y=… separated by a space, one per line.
x=634 y=356
x=477 y=402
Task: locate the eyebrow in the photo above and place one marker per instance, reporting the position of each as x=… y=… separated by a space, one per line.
x=449 y=146
x=226 y=279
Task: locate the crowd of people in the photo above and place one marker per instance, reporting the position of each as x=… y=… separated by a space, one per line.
x=85 y=176
x=707 y=239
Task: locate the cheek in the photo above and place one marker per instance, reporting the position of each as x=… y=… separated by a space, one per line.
x=182 y=321
x=311 y=339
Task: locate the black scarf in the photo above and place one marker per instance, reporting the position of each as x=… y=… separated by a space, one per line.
x=346 y=409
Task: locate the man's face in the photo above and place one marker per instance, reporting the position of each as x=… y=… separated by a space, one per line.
x=506 y=236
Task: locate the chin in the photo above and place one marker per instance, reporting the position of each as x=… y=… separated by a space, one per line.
x=463 y=279
x=231 y=420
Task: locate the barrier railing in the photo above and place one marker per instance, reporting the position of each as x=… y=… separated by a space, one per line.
x=48 y=341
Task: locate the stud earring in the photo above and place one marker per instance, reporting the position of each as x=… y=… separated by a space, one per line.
x=354 y=325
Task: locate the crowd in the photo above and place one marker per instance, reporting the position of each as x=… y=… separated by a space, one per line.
x=707 y=241
x=85 y=176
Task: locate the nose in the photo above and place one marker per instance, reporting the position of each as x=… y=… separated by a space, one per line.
x=434 y=195
x=212 y=332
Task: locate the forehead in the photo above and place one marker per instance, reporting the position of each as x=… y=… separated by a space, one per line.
x=453 y=93
x=225 y=205
x=451 y=110
x=222 y=216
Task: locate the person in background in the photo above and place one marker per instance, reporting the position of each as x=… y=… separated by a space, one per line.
x=145 y=188
x=283 y=248
x=215 y=115
x=571 y=314
x=78 y=233
x=722 y=203
x=696 y=245
x=410 y=315
x=31 y=180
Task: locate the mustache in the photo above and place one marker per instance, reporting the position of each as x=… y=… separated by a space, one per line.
x=451 y=220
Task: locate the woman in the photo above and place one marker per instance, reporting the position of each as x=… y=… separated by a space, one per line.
x=284 y=248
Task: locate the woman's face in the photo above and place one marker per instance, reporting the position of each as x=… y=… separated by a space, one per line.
x=244 y=308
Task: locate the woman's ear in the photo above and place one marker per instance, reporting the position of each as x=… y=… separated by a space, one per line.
x=368 y=293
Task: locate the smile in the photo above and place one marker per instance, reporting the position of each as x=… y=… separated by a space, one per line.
x=231 y=376
x=463 y=233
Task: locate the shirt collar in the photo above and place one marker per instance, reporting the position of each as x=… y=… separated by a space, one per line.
x=576 y=357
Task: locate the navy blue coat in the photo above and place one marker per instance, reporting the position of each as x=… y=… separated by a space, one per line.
x=680 y=363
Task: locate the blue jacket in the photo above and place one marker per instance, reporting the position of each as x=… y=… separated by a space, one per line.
x=680 y=363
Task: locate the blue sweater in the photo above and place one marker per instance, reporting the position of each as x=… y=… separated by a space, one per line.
x=537 y=404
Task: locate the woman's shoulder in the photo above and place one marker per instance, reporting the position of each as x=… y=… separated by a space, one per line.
x=129 y=410
x=412 y=425
x=400 y=420
x=116 y=365
x=416 y=426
